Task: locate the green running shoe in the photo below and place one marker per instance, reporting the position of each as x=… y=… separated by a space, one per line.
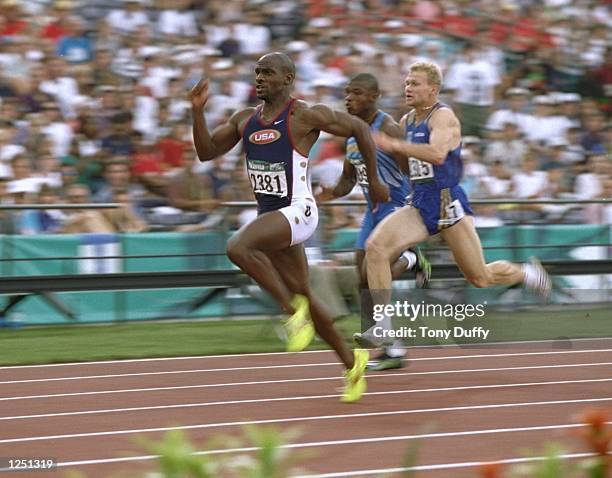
x=385 y=362
x=422 y=269
x=354 y=379
x=299 y=328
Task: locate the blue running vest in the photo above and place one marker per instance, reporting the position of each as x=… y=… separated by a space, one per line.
x=388 y=170
x=427 y=176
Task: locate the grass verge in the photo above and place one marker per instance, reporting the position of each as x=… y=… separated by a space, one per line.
x=167 y=339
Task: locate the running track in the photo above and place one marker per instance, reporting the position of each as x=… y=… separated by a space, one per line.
x=464 y=405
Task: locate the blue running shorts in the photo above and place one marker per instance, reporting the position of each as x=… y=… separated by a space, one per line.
x=371 y=220
x=441 y=208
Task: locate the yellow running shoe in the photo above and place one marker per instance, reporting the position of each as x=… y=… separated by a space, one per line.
x=354 y=380
x=299 y=328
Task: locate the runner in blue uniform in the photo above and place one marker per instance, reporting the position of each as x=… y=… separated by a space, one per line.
x=438 y=204
x=361 y=99
x=277 y=136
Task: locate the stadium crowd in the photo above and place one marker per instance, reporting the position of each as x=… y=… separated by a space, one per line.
x=93 y=100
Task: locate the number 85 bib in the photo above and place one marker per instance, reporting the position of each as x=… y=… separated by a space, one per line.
x=267 y=178
x=420 y=170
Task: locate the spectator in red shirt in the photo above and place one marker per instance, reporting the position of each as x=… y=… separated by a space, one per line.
x=172 y=147
x=60 y=26
x=14 y=23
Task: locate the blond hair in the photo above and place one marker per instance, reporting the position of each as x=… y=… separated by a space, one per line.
x=433 y=71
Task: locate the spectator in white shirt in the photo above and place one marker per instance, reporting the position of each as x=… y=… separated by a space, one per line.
x=472 y=80
x=510 y=147
x=569 y=107
x=543 y=123
x=177 y=22
x=178 y=107
x=127 y=20
x=514 y=112
x=22 y=179
x=146 y=113
x=60 y=86
x=589 y=184
x=48 y=171
x=601 y=213
x=473 y=168
x=9 y=148
x=221 y=102
x=497 y=182
x=529 y=182
x=254 y=37
x=57 y=130
x=156 y=75
x=573 y=152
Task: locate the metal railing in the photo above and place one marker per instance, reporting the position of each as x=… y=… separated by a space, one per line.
x=335 y=202
x=21 y=207
x=476 y=202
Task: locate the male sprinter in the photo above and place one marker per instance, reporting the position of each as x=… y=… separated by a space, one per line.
x=361 y=100
x=438 y=204
x=277 y=136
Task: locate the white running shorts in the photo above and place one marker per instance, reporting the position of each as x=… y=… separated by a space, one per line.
x=303 y=217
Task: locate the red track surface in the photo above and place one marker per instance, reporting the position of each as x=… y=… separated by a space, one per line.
x=472 y=404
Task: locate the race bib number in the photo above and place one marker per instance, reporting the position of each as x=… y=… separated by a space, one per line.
x=420 y=170
x=453 y=213
x=362 y=174
x=267 y=178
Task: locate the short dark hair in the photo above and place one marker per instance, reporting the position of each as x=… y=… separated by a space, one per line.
x=366 y=79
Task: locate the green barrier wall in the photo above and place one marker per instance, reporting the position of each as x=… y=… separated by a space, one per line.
x=171 y=303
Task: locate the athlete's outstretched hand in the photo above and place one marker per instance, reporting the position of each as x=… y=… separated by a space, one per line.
x=379 y=193
x=326 y=194
x=199 y=94
x=384 y=142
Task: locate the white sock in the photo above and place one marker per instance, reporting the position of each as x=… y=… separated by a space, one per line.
x=531 y=275
x=411 y=258
x=396 y=350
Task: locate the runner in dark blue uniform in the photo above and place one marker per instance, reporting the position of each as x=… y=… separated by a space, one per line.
x=432 y=146
x=361 y=99
x=277 y=137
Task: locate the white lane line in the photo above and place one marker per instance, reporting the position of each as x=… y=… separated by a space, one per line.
x=301 y=419
x=305 y=397
x=263 y=354
x=267 y=367
x=171 y=372
x=444 y=466
x=293 y=380
x=355 y=441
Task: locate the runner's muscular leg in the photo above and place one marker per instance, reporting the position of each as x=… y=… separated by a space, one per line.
x=248 y=247
x=398 y=267
x=396 y=233
x=292 y=266
x=463 y=241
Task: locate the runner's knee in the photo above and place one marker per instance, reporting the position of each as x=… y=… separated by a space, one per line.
x=236 y=251
x=376 y=250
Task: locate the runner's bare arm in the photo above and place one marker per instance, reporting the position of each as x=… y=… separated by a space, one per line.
x=445 y=136
x=345 y=185
x=347 y=180
x=342 y=124
x=394 y=130
x=223 y=138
